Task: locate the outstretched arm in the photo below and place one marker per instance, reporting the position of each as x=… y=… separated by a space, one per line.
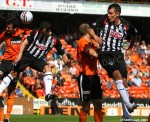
x=132 y=32
x=132 y=41
x=2 y=37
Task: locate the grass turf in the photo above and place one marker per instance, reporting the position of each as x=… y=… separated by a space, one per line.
x=65 y=118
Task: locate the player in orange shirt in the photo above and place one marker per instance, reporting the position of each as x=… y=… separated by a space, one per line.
x=13 y=37
x=89 y=81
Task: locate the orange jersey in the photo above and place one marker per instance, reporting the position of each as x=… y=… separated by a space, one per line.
x=27 y=30
x=13 y=44
x=88 y=63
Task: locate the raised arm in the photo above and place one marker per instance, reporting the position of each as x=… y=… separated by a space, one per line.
x=96 y=38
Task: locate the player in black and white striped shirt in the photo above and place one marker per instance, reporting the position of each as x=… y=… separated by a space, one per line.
x=112 y=30
x=32 y=51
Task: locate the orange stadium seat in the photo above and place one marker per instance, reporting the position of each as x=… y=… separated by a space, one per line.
x=73 y=50
x=63 y=42
x=74 y=56
x=134 y=57
x=39 y=92
x=68 y=47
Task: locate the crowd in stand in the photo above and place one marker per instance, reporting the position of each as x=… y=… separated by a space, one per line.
x=65 y=83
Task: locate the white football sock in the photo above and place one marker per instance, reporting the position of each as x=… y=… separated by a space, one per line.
x=48 y=82
x=5 y=83
x=127 y=91
x=122 y=91
x=125 y=111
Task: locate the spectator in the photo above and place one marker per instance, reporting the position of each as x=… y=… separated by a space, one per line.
x=109 y=84
x=138 y=48
x=58 y=64
x=137 y=81
x=18 y=92
x=73 y=71
x=134 y=69
x=29 y=72
x=143 y=46
x=148 y=82
x=127 y=59
x=38 y=84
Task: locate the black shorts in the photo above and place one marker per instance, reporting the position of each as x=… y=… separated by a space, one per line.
x=28 y=60
x=89 y=87
x=6 y=66
x=1 y=101
x=113 y=61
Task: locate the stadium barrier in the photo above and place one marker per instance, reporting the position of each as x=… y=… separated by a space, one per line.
x=111 y=107
x=72 y=106
x=107 y=111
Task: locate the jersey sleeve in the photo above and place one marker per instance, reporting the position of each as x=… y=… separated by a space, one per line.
x=30 y=37
x=2 y=37
x=84 y=46
x=58 y=46
x=99 y=24
x=132 y=30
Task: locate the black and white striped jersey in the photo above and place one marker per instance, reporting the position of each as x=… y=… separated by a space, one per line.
x=113 y=35
x=39 y=46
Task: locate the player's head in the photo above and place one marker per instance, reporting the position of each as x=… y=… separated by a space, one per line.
x=113 y=12
x=83 y=28
x=45 y=28
x=12 y=25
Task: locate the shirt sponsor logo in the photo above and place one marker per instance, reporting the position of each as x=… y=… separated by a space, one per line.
x=41 y=46
x=16 y=42
x=115 y=34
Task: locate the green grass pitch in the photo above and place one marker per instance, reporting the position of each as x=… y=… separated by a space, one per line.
x=65 y=118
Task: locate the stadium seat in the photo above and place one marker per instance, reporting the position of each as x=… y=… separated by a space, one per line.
x=63 y=42
x=68 y=47
x=39 y=93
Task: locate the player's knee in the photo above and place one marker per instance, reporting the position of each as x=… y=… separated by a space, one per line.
x=86 y=108
x=13 y=74
x=1 y=75
x=11 y=91
x=47 y=68
x=117 y=75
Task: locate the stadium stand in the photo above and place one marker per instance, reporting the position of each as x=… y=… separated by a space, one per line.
x=65 y=82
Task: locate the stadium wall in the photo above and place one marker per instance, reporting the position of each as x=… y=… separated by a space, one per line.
x=23 y=105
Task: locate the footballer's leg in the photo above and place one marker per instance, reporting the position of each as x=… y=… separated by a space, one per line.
x=1 y=109
x=10 y=100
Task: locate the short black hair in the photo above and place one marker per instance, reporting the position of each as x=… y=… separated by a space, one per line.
x=46 y=25
x=115 y=6
x=14 y=21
